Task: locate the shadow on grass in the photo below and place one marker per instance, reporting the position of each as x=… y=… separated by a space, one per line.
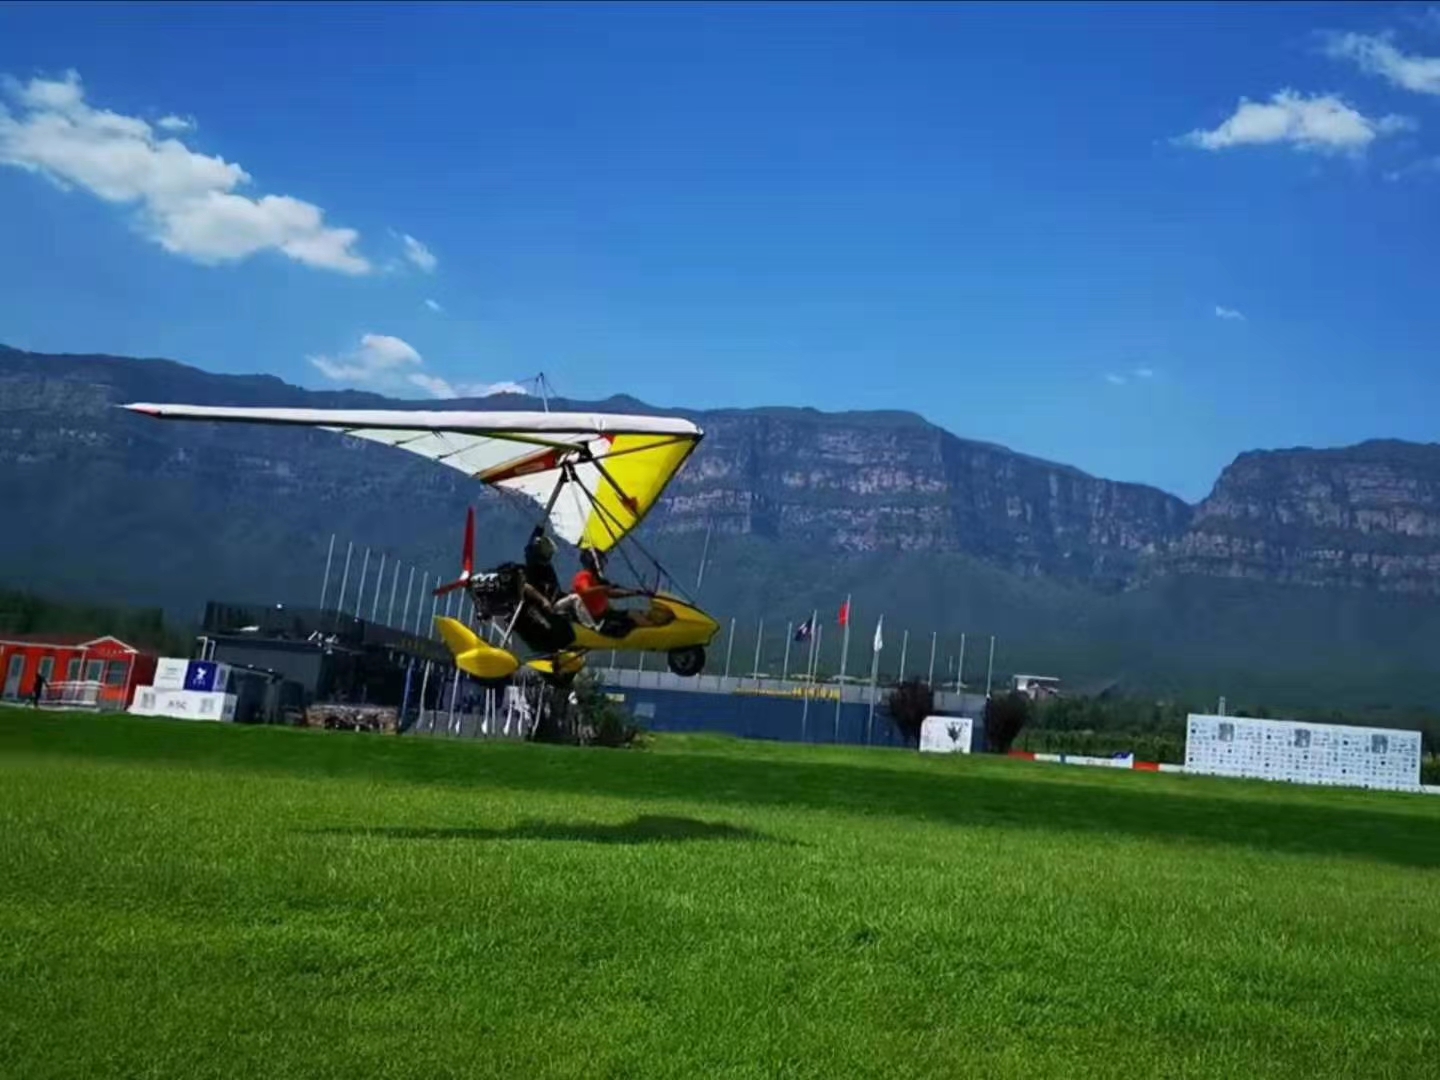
x=642 y=830
x=1392 y=828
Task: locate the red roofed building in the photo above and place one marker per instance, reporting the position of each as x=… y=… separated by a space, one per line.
x=101 y=672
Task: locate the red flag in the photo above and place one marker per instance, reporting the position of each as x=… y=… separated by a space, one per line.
x=845 y=612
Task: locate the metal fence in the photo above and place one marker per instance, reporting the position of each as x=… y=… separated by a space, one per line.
x=778 y=709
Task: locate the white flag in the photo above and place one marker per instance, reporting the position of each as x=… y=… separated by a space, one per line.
x=879 y=638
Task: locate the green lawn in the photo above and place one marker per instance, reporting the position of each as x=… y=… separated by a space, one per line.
x=191 y=900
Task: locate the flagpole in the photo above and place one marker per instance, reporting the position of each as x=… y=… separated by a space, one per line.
x=730 y=647
x=325 y=585
x=990 y=671
x=759 y=637
x=930 y=679
x=874 y=674
x=960 y=668
x=454 y=689
x=424 y=685
x=789 y=633
x=810 y=671
x=344 y=577
x=409 y=588
x=420 y=606
x=360 y=592
x=844 y=656
x=704 y=553
x=379 y=581
x=394 y=581
x=904 y=647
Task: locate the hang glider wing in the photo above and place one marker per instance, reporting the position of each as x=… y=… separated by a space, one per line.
x=600 y=473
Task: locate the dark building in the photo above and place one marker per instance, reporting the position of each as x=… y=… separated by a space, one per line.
x=293 y=657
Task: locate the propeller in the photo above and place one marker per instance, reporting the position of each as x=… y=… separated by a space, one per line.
x=467 y=558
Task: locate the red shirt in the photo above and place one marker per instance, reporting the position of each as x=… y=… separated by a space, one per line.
x=593 y=593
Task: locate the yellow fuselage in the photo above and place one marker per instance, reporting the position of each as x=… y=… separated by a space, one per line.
x=686 y=627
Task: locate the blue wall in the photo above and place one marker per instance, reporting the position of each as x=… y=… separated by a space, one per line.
x=754 y=717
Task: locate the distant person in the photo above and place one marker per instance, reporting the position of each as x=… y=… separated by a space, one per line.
x=37 y=690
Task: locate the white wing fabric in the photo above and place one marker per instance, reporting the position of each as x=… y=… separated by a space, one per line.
x=617 y=465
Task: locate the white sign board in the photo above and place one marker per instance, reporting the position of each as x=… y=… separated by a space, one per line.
x=170 y=673
x=183 y=704
x=207 y=677
x=946 y=735
x=1302 y=753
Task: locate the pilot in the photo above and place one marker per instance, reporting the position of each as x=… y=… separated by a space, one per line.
x=539 y=567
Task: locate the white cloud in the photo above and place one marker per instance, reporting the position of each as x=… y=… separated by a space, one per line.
x=433 y=385
x=176 y=123
x=1115 y=380
x=388 y=364
x=1424 y=166
x=187 y=202
x=378 y=360
x=433 y=305
x=1228 y=313
x=419 y=254
x=1319 y=124
x=491 y=389
x=1375 y=54
x=1144 y=373
x=1427 y=20
x=441 y=388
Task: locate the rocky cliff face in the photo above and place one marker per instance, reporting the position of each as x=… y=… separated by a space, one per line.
x=846 y=484
x=859 y=483
x=75 y=469
x=1365 y=516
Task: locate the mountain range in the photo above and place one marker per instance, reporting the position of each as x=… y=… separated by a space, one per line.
x=1307 y=577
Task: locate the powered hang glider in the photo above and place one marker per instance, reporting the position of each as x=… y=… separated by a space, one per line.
x=595 y=474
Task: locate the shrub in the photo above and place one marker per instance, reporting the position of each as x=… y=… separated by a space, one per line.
x=1430 y=770
x=907 y=705
x=1004 y=717
x=585 y=715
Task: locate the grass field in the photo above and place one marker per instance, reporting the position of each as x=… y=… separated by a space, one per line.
x=187 y=900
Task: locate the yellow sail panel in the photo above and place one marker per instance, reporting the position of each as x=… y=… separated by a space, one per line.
x=633 y=473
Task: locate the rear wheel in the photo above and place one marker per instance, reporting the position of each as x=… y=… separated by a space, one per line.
x=687 y=662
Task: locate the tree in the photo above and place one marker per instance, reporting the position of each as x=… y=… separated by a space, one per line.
x=1004 y=718
x=907 y=705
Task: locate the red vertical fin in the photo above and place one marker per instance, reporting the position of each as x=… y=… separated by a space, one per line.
x=467 y=559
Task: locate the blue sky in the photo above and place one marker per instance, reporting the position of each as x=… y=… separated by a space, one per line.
x=1024 y=222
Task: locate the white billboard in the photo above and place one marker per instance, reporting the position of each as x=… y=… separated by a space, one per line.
x=183 y=704
x=946 y=734
x=1302 y=752
x=170 y=673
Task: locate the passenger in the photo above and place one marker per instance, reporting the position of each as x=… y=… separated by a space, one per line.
x=595 y=594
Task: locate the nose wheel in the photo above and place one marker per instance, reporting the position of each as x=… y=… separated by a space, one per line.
x=687 y=662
